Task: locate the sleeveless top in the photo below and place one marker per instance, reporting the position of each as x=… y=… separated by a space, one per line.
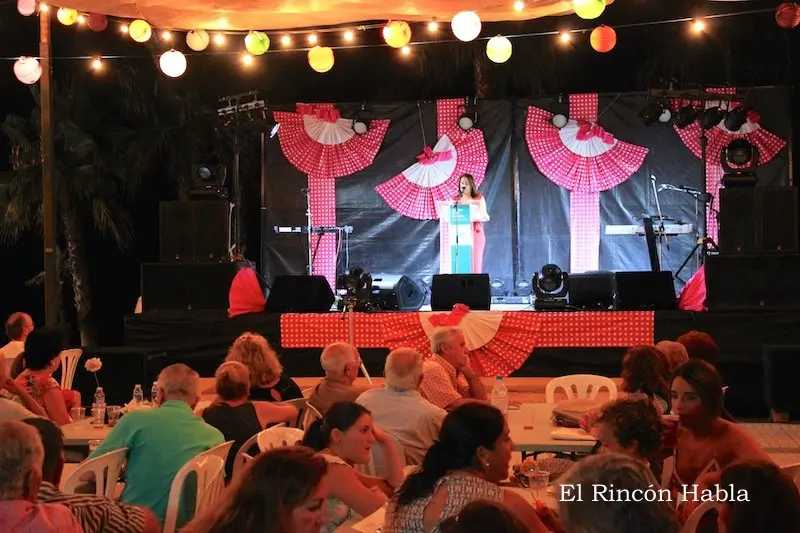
x=237 y=424
x=338 y=511
x=285 y=388
x=461 y=490
x=672 y=481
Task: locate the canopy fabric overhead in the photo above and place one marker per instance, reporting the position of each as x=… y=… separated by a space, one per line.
x=285 y=14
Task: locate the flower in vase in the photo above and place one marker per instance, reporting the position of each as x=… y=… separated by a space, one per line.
x=93 y=365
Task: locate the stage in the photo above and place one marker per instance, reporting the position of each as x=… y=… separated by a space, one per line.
x=514 y=343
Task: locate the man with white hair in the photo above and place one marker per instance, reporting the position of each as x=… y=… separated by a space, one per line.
x=21 y=456
x=449 y=381
x=399 y=409
x=18 y=327
x=341 y=362
x=160 y=441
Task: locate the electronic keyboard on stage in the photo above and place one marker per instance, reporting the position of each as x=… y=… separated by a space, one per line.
x=314 y=229
x=669 y=229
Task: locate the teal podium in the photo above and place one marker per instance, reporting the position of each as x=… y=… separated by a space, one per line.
x=455 y=236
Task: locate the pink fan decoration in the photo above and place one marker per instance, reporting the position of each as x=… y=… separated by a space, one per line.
x=245 y=295
x=719 y=137
x=585 y=159
x=435 y=175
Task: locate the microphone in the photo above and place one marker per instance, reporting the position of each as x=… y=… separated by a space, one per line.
x=652 y=178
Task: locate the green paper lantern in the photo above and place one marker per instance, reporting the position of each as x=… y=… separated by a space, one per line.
x=256 y=42
x=589 y=9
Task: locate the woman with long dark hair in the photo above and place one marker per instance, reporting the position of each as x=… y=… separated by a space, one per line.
x=466 y=463
x=468 y=193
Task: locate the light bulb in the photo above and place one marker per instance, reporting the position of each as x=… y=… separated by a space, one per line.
x=519 y=5
x=406 y=50
x=43 y=7
x=312 y=39
x=219 y=39
x=166 y=35
x=433 y=27
x=123 y=28
x=348 y=35
x=96 y=64
x=247 y=60
x=286 y=40
x=565 y=37
x=698 y=26
x=81 y=19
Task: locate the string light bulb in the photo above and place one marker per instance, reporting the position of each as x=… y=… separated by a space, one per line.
x=565 y=37
x=698 y=26
x=247 y=60
x=433 y=26
x=123 y=28
x=219 y=39
x=519 y=5
x=43 y=7
x=348 y=36
x=96 y=64
x=312 y=39
x=81 y=19
x=406 y=50
x=166 y=35
x=286 y=40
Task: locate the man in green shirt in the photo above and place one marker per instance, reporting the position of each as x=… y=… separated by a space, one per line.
x=162 y=440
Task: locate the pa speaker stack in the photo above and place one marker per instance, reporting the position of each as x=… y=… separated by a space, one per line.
x=625 y=291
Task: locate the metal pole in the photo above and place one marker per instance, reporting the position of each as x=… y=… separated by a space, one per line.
x=49 y=225
x=237 y=191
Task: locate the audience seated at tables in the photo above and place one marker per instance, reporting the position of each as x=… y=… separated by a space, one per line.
x=15 y=402
x=483 y=516
x=18 y=327
x=701 y=346
x=466 y=464
x=448 y=379
x=596 y=514
x=161 y=440
x=42 y=358
x=95 y=514
x=399 y=409
x=675 y=352
x=341 y=362
x=644 y=371
x=705 y=443
x=773 y=501
x=344 y=437
x=268 y=383
x=21 y=457
x=281 y=491
x=235 y=416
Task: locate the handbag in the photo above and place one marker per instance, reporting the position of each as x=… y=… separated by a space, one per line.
x=568 y=414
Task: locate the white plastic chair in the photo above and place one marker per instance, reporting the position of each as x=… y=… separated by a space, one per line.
x=307 y=392
x=377 y=464
x=311 y=414
x=580 y=387
x=105 y=469
x=304 y=418
x=690 y=526
x=222 y=451
x=278 y=437
x=210 y=471
x=794 y=472
x=242 y=457
x=69 y=362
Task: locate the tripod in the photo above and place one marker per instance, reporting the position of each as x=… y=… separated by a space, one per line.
x=348 y=312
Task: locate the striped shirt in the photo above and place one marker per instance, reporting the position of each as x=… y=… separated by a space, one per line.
x=94 y=513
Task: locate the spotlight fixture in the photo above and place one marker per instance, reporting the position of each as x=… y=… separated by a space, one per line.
x=550 y=287
x=746 y=157
x=686 y=116
x=711 y=117
x=209 y=180
x=361 y=121
x=355 y=289
x=654 y=112
x=497 y=288
x=523 y=288
x=736 y=118
x=469 y=118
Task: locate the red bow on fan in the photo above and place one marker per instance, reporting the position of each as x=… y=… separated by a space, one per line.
x=753 y=117
x=587 y=130
x=451 y=319
x=428 y=156
x=328 y=114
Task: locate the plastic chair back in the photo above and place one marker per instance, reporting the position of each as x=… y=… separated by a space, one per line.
x=105 y=469
x=278 y=437
x=690 y=526
x=580 y=387
x=69 y=362
x=210 y=472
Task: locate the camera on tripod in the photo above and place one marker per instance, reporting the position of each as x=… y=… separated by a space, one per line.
x=355 y=290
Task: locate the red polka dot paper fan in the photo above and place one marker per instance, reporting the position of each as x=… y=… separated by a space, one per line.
x=414 y=193
x=511 y=346
x=769 y=144
x=567 y=160
x=328 y=148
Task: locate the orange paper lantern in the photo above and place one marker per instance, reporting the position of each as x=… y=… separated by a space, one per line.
x=603 y=39
x=788 y=15
x=397 y=34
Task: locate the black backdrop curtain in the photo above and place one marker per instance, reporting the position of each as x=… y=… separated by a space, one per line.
x=384 y=241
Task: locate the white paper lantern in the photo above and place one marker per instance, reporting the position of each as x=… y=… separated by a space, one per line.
x=197 y=40
x=26 y=7
x=28 y=70
x=498 y=49
x=559 y=121
x=466 y=25
x=172 y=63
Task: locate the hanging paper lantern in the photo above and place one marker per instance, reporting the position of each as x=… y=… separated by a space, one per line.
x=320 y=58
x=197 y=40
x=28 y=70
x=466 y=25
x=172 y=63
x=397 y=34
x=140 y=31
x=26 y=7
x=67 y=16
x=498 y=49
x=788 y=15
x=589 y=9
x=97 y=22
x=256 y=42
x=603 y=39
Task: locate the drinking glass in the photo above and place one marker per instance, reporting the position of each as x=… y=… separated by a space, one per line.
x=538 y=482
x=77 y=413
x=528 y=413
x=98 y=416
x=114 y=412
x=94 y=444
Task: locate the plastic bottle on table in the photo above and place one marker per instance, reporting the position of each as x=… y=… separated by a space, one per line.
x=138 y=394
x=500 y=395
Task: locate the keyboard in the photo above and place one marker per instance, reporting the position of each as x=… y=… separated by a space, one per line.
x=314 y=229
x=633 y=229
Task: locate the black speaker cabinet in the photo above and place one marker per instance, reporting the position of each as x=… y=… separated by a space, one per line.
x=180 y=286
x=758 y=220
x=391 y=292
x=781 y=368
x=644 y=291
x=300 y=294
x=752 y=281
x=471 y=290
x=194 y=231
x=592 y=290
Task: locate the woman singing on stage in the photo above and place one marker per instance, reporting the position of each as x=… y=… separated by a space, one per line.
x=469 y=193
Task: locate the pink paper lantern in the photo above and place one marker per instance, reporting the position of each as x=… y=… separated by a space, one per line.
x=28 y=70
x=26 y=7
x=97 y=22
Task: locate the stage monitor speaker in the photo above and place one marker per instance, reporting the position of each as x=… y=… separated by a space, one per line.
x=758 y=220
x=781 y=368
x=592 y=290
x=194 y=231
x=471 y=290
x=645 y=291
x=300 y=294
x=392 y=292
x=182 y=286
x=752 y=281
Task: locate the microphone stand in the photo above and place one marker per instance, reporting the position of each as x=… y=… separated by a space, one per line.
x=307 y=193
x=454 y=220
x=662 y=237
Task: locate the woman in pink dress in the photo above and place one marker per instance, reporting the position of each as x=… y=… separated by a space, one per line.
x=469 y=193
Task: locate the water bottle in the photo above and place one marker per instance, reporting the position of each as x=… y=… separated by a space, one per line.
x=500 y=395
x=99 y=408
x=154 y=392
x=138 y=394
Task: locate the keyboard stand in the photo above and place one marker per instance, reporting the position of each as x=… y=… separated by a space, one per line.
x=652 y=248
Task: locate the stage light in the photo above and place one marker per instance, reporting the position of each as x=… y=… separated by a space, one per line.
x=523 y=288
x=433 y=27
x=355 y=289
x=550 y=287
x=686 y=116
x=497 y=288
x=736 y=118
x=665 y=116
x=565 y=37
x=746 y=157
x=711 y=117
x=653 y=112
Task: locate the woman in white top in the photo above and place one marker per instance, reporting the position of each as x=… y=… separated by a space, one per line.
x=344 y=438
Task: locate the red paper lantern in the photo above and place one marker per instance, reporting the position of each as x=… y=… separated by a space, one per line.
x=97 y=22
x=788 y=15
x=603 y=39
